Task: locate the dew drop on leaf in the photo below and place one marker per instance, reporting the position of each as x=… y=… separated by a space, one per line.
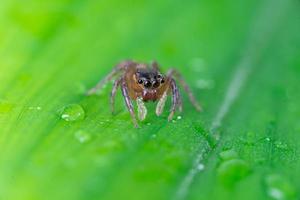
x=280 y=145
x=153 y=136
x=268 y=139
x=279 y=188
x=200 y=167
x=231 y=171
x=72 y=112
x=82 y=136
x=37 y=108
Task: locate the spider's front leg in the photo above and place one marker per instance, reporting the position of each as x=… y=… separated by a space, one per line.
x=186 y=88
x=118 y=69
x=142 y=110
x=175 y=99
x=128 y=101
x=161 y=103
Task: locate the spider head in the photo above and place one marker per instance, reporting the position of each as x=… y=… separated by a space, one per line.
x=149 y=79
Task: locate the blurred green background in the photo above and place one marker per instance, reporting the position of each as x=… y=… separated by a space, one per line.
x=241 y=58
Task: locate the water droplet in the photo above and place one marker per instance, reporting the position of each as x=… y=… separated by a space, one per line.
x=153 y=136
x=72 y=112
x=34 y=108
x=82 y=136
x=281 y=145
x=279 y=188
x=205 y=84
x=268 y=139
x=174 y=121
x=179 y=117
x=200 y=167
x=148 y=124
x=217 y=136
x=231 y=171
x=228 y=155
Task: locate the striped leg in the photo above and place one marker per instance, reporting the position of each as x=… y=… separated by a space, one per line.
x=142 y=110
x=113 y=95
x=174 y=90
x=119 y=68
x=161 y=104
x=128 y=102
x=186 y=88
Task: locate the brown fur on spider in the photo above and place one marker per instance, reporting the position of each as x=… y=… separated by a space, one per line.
x=142 y=83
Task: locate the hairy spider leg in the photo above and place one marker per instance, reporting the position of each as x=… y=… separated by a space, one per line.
x=175 y=92
x=142 y=110
x=113 y=94
x=186 y=88
x=162 y=101
x=108 y=78
x=161 y=104
x=128 y=101
x=119 y=68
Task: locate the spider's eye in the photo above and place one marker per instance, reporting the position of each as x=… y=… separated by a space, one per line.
x=140 y=81
x=159 y=76
x=147 y=84
x=162 y=80
x=156 y=84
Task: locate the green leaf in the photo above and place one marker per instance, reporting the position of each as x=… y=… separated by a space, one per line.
x=241 y=59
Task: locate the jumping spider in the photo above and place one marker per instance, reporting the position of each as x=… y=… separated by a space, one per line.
x=142 y=83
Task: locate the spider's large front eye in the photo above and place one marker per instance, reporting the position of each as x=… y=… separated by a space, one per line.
x=147 y=84
x=140 y=81
x=159 y=76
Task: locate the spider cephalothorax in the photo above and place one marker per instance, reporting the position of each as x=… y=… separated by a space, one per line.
x=142 y=83
x=149 y=79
